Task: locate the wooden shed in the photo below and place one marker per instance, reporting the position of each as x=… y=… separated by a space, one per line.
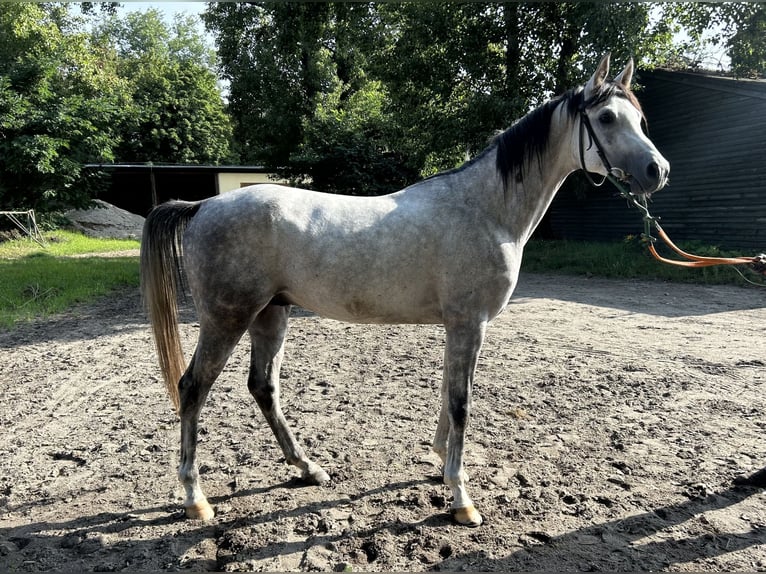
x=713 y=132
x=139 y=187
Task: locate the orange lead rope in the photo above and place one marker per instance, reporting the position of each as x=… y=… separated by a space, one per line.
x=699 y=261
x=757 y=263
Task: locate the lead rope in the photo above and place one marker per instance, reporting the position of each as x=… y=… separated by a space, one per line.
x=757 y=263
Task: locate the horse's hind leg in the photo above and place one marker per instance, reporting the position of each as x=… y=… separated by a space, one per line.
x=209 y=359
x=268 y=332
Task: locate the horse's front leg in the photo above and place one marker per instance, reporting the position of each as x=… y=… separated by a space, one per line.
x=462 y=351
x=268 y=335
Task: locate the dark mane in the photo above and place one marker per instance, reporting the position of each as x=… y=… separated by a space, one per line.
x=528 y=137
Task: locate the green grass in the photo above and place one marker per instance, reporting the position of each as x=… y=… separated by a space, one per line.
x=63 y=243
x=628 y=260
x=39 y=281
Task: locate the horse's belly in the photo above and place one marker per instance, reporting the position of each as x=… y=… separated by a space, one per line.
x=393 y=308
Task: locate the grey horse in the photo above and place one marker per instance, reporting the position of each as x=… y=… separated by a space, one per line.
x=445 y=250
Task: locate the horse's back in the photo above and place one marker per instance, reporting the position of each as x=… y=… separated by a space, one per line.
x=400 y=258
x=351 y=258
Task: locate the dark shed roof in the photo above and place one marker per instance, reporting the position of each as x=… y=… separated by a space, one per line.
x=713 y=132
x=137 y=187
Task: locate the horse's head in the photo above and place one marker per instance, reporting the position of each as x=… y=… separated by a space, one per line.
x=610 y=136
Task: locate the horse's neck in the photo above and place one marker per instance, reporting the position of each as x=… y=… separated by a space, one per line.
x=519 y=207
x=527 y=201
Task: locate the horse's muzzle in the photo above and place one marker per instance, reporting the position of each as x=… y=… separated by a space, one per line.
x=650 y=177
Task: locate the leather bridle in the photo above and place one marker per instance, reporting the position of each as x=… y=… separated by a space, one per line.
x=585 y=125
x=757 y=263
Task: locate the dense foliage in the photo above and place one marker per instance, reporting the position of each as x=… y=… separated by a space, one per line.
x=349 y=97
x=177 y=114
x=127 y=90
x=364 y=97
x=61 y=105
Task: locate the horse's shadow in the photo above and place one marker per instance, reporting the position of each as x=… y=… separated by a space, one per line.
x=651 y=297
x=567 y=552
x=63 y=539
x=616 y=545
x=580 y=549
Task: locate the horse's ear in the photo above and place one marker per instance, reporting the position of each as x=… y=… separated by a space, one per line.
x=598 y=77
x=626 y=75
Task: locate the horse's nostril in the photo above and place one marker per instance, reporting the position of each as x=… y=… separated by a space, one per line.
x=653 y=170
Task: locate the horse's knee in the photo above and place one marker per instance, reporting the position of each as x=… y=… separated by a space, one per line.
x=459 y=410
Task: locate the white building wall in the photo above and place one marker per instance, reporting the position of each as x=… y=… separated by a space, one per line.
x=235 y=180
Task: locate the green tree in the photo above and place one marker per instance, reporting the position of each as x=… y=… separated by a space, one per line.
x=457 y=71
x=739 y=27
x=344 y=148
x=275 y=64
x=747 y=47
x=133 y=90
x=451 y=74
x=60 y=103
x=300 y=96
x=177 y=114
x=444 y=66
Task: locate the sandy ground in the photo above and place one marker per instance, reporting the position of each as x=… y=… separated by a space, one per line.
x=610 y=419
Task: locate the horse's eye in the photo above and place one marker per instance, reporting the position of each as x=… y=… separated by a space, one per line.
x=607 y=117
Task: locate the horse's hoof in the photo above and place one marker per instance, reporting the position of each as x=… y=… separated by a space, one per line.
x=467 y=516
x=200 y=511
x=316 y=476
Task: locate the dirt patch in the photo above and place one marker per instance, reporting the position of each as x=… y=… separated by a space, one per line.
x=610 y=420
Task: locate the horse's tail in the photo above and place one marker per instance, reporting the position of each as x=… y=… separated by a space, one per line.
x=160 y=280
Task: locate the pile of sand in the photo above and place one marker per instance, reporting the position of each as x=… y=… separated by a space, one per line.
x=106 y=221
